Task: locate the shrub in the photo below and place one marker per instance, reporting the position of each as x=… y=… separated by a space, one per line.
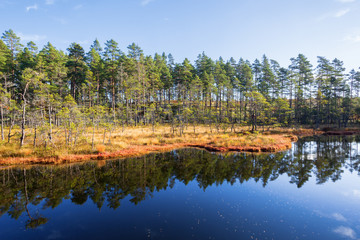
x=100 y=148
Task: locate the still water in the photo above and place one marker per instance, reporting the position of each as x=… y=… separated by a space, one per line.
x=309 y=192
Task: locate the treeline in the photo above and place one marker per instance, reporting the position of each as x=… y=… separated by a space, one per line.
x=109 y=87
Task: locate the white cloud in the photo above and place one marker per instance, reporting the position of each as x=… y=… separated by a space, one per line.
x=342 y=12
x=336 y=216
x=346 y=232
x=146 y=2
x=49 y=2
x=77 y=7
x=31 y=37
x=355 y=38
x=337 y=14
x=346 y=1
x=33 y=7
x=339 y=217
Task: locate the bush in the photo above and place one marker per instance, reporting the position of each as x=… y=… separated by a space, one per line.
x=100 y=148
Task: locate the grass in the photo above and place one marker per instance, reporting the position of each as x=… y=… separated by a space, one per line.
x=140 y=140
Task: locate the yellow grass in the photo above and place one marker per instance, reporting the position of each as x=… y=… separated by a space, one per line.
x=142 y=138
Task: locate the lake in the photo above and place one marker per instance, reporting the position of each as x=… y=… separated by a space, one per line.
x=311 y=191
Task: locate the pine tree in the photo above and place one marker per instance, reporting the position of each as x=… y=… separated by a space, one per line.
x=14 y=46
x=76 y=69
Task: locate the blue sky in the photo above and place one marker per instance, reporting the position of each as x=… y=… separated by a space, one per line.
x=281 y=29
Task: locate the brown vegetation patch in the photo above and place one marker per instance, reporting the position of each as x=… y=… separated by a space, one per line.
x=340 y=133
x=272 y=148
x=129 y=152
x=136 y=141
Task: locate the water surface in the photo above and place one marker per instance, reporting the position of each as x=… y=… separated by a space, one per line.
x=309 y=192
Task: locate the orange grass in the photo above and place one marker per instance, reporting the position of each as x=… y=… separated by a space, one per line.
x=136 y=141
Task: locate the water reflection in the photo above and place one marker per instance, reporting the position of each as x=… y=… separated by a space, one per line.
x=109 y=182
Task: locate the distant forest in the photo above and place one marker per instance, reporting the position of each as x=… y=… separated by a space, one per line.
x=108 y=87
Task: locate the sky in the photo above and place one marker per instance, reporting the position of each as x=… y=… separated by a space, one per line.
x=281 y=29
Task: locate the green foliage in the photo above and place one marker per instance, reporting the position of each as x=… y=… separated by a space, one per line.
x=106 y=87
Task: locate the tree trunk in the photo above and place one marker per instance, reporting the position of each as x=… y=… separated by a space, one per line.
x=93 y=135
x=12 y=122
x=2 y=123
x=109 y=136
x=34 y=144
x=23 y=125
x=50 y=125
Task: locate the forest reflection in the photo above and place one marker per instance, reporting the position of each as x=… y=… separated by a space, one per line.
x=109 y=182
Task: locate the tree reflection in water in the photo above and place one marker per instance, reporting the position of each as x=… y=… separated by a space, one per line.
x=109 y=182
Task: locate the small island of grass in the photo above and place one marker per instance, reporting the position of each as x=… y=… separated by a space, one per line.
x=135 y=141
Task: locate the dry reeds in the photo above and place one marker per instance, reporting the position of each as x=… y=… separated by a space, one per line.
x=133 y=141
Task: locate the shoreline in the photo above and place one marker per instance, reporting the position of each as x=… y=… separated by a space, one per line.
x=137 y=151
x=284 y=142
